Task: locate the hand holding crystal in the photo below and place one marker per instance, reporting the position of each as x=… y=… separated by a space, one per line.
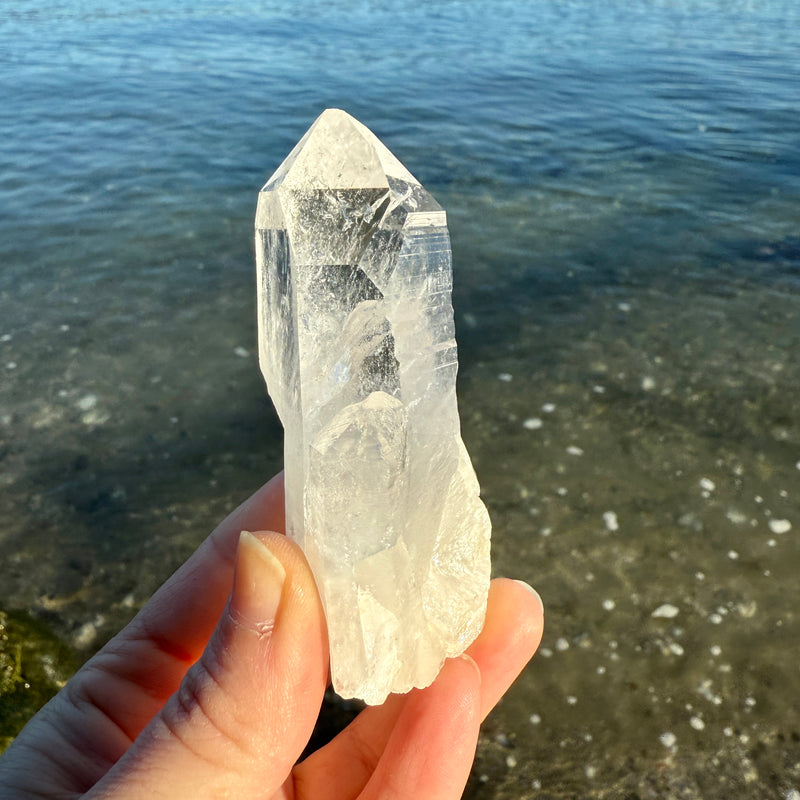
x=214 y=688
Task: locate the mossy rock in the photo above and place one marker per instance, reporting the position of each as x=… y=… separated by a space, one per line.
x=34 y=665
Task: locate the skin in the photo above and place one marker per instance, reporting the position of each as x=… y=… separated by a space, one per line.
x=212 y=691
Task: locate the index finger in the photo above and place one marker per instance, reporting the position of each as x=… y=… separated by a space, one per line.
x=90 y=724
x=170 y=632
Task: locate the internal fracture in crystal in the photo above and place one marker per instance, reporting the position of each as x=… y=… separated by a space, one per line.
x=357 y=346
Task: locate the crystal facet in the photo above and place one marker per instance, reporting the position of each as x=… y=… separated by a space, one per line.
x=356 y=343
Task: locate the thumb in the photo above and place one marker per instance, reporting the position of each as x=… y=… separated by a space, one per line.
x=246 y=709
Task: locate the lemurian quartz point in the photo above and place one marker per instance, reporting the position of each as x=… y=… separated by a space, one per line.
x=356 y=343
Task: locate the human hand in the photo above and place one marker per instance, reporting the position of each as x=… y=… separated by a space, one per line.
x=214 y=688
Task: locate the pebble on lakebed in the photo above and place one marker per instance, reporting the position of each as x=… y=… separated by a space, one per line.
x=666 y=611
x=780 y=525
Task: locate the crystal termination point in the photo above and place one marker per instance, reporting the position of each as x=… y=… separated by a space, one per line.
x=357 y=347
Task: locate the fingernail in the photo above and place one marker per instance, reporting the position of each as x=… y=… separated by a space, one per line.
x=470 y=660
x=531 y=590
x=257 y=584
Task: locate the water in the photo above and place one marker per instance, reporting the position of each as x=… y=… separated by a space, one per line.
x=622 y=186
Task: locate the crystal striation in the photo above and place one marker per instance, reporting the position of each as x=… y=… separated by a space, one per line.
x=356 y=343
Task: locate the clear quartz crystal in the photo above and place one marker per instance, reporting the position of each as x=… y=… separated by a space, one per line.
x=356 y=343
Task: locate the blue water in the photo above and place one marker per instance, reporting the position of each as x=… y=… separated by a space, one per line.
x=131 y=138
x=622 y=182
